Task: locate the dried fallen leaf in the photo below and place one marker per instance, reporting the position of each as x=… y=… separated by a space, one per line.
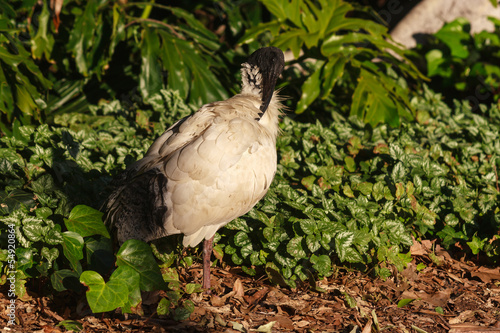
x=257 y=296
x=367 y=328
x=417 y=249
x=237 y=326
x=217 y=301
x=486 y=274
x=267 y=328
x=238 y=288
x=284 y=322
x=462 y=317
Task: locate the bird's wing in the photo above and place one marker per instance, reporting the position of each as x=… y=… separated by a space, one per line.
x=212 y=180
x=203 y=172
x=177 y=136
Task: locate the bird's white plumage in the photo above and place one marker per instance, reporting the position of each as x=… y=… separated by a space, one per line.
x=204 y=171
x=219 y=163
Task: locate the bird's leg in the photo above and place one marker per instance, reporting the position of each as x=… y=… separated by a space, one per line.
x=207 y=253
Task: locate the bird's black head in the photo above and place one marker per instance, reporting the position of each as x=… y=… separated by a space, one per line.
x=270 y=61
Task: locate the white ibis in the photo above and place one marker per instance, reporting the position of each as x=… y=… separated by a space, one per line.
x=208 y=168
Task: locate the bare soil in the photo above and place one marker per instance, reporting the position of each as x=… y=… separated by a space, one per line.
x=449 y=295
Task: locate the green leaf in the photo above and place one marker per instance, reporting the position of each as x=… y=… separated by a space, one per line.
x=49 y=254
x=130 y=278
x=101 y=296
x=322 y=264
x=308 y=226
x=65 y=279
x=350 y=164
x=163 y=308
x=365 y=188
x=137 y=255
x=313 y=242
x=343 y=241
x=150 y=80
x=372 y=103
x=183 y=313
x=43 y=42
x=188 y=68
x=351 y=302
x=81 y=39
x=404 y=302
x=13 y=200
x=476 y=244
x=453 y=34
x=332 y=72
x=193 y=288
x=33 y=229
x=73 y=249
x=241 y=239
x=99 y=254
x=86 y=221
x=311 y=88
x=71 y=325
x=434 y=60
x=295 y=248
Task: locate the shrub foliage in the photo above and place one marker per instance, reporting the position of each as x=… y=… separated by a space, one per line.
x=344 y=194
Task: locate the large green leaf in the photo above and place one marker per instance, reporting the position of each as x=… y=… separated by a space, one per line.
x=453 y=34
x=150 y=79
x=73 y=249
x=344 y=41
x=138 y=256
x=14 y=200
x=129 y=277
x=311 y=88
x=187 y=67
x=65 y=279
x=43 y=42
x=86 y=221
x=372 y=103
x=102 y=296
x=82 y=37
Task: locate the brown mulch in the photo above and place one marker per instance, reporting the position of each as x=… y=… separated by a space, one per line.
x=449 y=295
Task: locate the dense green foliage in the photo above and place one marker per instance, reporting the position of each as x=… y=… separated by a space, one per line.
x=347 y=192
x=344 y=194
x=463 y=65
x=104 y=50
x=359 y=195
x=336 y=47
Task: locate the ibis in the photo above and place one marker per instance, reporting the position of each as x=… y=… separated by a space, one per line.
x=206 y=169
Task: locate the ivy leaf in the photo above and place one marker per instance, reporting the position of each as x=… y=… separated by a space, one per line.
x=73 y=249
x=137 y=255
x=130 y=278
x=101 y=296
x=86 y=221
x=13 y=200
x=65 y=279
